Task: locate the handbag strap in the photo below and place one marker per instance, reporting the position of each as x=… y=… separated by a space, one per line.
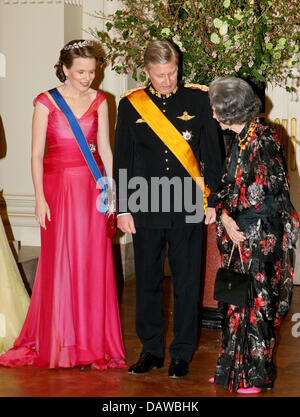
x=233 y=247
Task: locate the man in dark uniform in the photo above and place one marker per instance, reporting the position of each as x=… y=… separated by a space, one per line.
x=154 y=222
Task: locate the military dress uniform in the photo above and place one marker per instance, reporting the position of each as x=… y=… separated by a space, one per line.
x=140 y=152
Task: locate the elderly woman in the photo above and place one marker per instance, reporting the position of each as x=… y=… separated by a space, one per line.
x=255 y=212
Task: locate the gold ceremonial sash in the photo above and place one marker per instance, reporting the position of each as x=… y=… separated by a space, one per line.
x=170 y=136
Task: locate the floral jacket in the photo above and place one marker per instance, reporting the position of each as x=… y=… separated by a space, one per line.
x=260 y=193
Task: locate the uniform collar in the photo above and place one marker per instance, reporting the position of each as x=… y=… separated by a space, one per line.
x=160 y=95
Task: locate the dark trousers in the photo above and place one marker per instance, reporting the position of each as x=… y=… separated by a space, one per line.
x=184 y=255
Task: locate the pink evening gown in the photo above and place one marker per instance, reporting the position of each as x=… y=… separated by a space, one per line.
x=73 y=317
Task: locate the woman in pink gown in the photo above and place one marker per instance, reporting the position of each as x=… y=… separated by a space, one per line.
x=73 y=317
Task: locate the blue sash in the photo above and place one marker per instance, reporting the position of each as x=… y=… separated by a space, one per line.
x=85 y=150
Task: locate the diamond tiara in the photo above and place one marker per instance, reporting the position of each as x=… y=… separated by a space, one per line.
x=75 y=45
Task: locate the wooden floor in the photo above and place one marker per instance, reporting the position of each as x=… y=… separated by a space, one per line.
x=32 y=382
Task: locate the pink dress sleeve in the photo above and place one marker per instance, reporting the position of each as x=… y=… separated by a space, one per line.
x=100 y=98
x=44 y=99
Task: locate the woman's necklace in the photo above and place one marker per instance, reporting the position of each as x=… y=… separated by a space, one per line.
x=244 y=142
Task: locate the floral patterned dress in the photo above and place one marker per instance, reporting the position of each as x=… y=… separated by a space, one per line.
x=255 y=192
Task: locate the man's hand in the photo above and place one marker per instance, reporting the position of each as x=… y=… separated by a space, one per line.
x=125 y=223
x=210 y=215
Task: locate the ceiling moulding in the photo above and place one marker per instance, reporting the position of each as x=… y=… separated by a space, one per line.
x=74 y=2
x=20 y=2
x=71 y=2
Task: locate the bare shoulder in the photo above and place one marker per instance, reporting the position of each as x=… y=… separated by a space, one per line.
x=92 y=93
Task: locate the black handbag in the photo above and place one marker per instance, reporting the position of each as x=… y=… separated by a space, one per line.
x=232 y=287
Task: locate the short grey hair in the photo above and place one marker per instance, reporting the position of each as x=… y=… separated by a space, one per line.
x=233 y=100
x=160 y=52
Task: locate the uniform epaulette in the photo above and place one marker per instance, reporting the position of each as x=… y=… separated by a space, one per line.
x=197 y=86
x=133 y=90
